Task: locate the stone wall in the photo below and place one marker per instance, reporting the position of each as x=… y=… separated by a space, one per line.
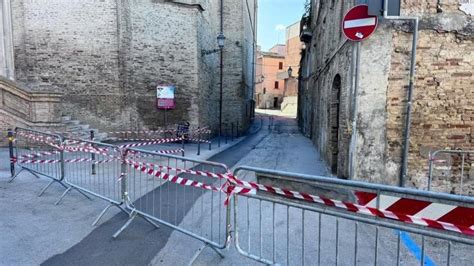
x=442 y=107
x=22 y=108
x=108 y=57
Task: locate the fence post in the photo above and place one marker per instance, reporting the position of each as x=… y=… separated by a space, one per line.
x=209 y=134
x=226 y=130
x=182 y=144
x=232 y=132
x=199 y=141
x=12 y=155
x=93 y=154
x=237 y=130
x=61 y=158
x=123 y=177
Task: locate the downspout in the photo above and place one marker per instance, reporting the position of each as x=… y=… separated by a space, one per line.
x=8 y=40
x=353 y=146
x=221 y=66
x=406 y=135
x=252 y=105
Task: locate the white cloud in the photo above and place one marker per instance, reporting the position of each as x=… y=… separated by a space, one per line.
x=280 y=27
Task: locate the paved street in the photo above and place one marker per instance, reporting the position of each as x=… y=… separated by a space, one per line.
x=37 y=232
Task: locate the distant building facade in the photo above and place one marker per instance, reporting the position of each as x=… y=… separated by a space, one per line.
x=107 y=57
x=274 y=83
x=442 y=108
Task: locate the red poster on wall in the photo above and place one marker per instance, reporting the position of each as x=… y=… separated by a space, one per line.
x=165 y=97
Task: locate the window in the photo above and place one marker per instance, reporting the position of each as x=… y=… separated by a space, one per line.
x=276 y=84
x=280 y=65
x=264 y=90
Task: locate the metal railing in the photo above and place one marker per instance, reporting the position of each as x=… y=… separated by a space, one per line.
x=449 y=171
x=93 y=168
x=272 y=225
x=38 y=153
x=181 y=193
x=273 y=229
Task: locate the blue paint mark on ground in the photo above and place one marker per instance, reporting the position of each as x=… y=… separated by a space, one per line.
x=413 y=247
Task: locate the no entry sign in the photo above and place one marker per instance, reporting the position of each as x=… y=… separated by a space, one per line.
x=358 y=25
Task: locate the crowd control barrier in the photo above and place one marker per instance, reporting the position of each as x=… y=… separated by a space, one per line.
x=39 y=153
x=280 y=226
x=281 y=218
x=450 y=170
x=181 y=193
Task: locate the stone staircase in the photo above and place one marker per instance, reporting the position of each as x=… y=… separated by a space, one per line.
x=77 y=129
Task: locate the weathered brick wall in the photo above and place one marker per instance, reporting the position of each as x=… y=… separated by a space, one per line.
x=443 y=99
x=108 y=56
x=443 y=107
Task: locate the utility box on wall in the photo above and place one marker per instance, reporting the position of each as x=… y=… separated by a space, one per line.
x=376 y=7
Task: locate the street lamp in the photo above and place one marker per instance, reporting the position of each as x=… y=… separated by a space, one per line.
x=221 y=43
x=290 y=71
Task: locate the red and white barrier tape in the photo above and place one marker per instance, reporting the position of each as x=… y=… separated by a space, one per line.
x=160 y=152
x=199 y=140
x=78 y=160
x=39 y=154
x=143 y=131
x=203 y=130
x=150 y=143
x=355 y=207
x=458 y=215
x=175 y=179
x=40 y=139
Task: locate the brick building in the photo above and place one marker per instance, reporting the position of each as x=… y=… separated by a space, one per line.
x=275 y=88
x=443 y=99
x=107 y=57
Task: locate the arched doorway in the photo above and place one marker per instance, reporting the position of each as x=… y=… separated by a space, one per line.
x=335 y=100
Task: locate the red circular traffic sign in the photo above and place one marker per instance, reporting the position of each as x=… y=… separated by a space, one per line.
x=357 y=24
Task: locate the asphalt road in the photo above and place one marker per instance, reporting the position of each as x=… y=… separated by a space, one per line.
x=140 y=242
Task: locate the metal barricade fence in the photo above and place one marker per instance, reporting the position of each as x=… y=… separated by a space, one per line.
x=181 y=193
x=40 y=154
x=451 y=171
x=272 y=228
x=93 y=168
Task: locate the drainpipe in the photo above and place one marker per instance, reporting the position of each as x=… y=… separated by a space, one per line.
x=221 y=66
x=8 y=39
x=353 y=146
x=406 y=135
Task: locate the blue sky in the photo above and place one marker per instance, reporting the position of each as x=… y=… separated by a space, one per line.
x=273 y=17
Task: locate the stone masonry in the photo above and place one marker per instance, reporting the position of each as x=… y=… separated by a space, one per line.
x=108 y=56
x=443 y=95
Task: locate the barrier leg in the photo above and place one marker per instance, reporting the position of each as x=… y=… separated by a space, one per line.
x=96 y=221
x=201 y=249
x=45 y=188
x=129 y=221
x=16 y=174
x=133 y=215
x=63 y=195
x=67 y=191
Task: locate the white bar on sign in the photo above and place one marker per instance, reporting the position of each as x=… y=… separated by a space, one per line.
x=363 y=22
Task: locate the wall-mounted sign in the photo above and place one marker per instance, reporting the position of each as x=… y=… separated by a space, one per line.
x=165 y=97
x=358 y=25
